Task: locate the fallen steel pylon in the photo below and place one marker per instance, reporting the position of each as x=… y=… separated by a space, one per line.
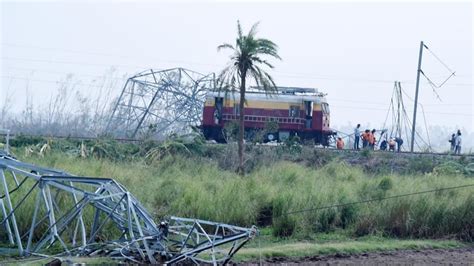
x=90 y=215
x=155 y=103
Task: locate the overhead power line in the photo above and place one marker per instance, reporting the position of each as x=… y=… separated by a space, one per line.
x=68 y=62
x=106 y=54
x=279 y=73
x=34 y=70
x=411 y=99
x=302 y=76
x=72 y=82
x=439 y=60
x=100 y=86
x=384 y=109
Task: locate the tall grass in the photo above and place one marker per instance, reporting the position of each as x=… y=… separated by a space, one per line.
x=198 y=187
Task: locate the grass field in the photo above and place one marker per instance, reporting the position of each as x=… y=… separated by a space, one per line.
x=266 y=246
x=198 y=187
x=338 y=242
x=203 y=187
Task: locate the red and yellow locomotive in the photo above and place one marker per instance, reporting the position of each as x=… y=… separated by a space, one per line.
x=297 y=111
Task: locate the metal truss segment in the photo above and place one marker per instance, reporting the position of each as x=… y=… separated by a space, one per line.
x=157 y=103
x=91 y=215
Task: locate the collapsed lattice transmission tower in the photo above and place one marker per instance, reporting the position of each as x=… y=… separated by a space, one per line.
x=397 y=123
x=43 y=209
x=156 y=103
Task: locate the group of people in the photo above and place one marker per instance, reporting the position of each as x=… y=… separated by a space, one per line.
x=456 y=141
x=393 y=143
x=369 y=141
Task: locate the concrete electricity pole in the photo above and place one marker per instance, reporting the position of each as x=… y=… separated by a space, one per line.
x=416 y=97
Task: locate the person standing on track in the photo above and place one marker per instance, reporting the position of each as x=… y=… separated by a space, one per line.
x=372 y=139
x=339 y=143
x=365 y=138
x=356 y=137
x=453 y=142
x=458 y=143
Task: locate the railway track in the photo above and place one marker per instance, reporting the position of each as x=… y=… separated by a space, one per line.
x=403 y=153
x=330 y=149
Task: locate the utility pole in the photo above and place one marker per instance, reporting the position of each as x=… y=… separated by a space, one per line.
x=416 y=97
x=398 y=91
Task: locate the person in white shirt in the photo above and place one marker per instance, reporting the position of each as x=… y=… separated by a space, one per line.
x=458 y=143
x=356 y=137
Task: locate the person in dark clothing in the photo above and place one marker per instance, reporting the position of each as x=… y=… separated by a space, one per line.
x=453 y=142
x=399 y=142
x=383 y=145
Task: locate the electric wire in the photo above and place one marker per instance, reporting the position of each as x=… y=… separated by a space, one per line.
x=279 y=73
x=422 y=110
x=433 y=85
x=368 y=200
x=75 y=83
x=424 y=116
x=15 y=189
x=384 y=109
x=441 y=61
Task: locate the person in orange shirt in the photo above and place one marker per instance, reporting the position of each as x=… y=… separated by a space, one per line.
x=365 y=138
x=339 y=143
x=372 y=139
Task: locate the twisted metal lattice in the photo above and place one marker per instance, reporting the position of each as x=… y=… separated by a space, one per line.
x=43 y=208
x=160 y=102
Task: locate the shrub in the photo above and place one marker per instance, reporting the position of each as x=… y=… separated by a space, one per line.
x=448 y=168
x=283 y=223
x=386 y=184
x=349 y=214
x=420 y=164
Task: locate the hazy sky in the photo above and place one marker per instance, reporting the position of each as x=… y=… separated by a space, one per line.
x=351 y=51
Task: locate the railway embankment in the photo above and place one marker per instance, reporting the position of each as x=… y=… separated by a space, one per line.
x=294 y=194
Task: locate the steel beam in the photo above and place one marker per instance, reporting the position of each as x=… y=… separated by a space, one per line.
x=61 y=199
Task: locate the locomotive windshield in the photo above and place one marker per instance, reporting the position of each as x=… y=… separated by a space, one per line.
x=325 y=108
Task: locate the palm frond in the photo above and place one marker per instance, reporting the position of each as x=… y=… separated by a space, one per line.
x=262 y=79
x=253 y=30
x=226 y=80
x=261 y=61
x=225 y=46
x=239 y=30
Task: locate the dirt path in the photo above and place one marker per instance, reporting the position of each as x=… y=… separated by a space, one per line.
x=462 y=256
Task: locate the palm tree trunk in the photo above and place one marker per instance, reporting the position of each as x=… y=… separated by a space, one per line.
x=241 y=124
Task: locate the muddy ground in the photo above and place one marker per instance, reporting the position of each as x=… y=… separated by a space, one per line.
x=462 y=256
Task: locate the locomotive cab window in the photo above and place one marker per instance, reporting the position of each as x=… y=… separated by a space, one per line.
x=325 y=108
x=294 y=111
x=219 y=102
x=308 y=106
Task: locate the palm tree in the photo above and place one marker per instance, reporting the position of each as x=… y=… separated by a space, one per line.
x=246 y=62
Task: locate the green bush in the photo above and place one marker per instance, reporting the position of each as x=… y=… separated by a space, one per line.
x=448 y=168
x=283 y=224
x=420 y=164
